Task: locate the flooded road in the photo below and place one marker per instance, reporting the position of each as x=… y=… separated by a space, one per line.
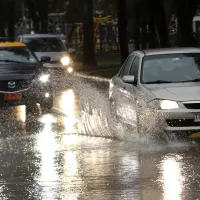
x=76 y=152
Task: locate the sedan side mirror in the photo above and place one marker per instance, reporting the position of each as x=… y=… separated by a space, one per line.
x=45 y=59
x=129 y=79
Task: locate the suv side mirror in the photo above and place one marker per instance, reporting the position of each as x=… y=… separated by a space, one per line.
x=129 y=79
x=45 y=59
x=71 y=51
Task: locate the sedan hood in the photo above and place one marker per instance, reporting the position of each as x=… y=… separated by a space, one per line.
x=176 y=92
x=54 y=55
x=18 y=71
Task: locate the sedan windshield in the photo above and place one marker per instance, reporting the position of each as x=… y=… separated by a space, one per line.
x=44 y=44
x=171 y=68
x=17 y=55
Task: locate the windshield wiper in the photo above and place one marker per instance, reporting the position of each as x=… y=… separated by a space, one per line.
x=158 y=82
x=12 y=61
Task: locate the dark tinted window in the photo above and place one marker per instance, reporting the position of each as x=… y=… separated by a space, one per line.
x=44 y=44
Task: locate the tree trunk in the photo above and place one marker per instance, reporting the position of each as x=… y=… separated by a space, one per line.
x=149 y=24
x=185 y=13
x=42 y=8
x=7 y=19
x=136 y=25
x=11 y=21
x=122 y=29
x=89 y=59
x=160 y=22
x=32 y=7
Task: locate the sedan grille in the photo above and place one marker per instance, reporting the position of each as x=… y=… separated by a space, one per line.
x=16 y=85
x=192 y=105
x=182 y=122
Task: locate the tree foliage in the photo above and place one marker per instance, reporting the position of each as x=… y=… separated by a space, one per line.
x=151 y=21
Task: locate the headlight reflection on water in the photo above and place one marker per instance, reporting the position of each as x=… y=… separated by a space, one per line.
x=172 y=179
x=21 y=112
x=47 y=119
x=67 y=104
x=71 y=181
x=47 y=147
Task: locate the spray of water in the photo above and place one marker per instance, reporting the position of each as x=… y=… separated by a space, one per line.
x=95 y=118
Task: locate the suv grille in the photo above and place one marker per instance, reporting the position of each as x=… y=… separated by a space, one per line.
x=16 y=86
x=192 y=105
x=55 y=62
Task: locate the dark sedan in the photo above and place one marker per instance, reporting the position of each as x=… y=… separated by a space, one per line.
x=23 y=80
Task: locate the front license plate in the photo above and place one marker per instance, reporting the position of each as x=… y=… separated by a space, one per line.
x=12 y=97
x=197 y=117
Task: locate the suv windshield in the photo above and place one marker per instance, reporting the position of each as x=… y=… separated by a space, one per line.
x=17 y=54
x=44 y=44
x=171 y=68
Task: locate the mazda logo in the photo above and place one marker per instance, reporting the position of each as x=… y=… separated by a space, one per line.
x=11 y=84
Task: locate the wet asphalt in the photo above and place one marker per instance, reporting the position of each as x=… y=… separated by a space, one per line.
x=77 y=152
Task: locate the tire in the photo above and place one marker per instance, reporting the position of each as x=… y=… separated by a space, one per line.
x=46 y=106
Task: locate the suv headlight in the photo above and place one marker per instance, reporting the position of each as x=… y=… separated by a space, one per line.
x=164 y=104
x=65 y=60
x=44 y=78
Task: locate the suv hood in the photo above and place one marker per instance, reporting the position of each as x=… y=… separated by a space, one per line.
x=54 y=55
x=176 y=92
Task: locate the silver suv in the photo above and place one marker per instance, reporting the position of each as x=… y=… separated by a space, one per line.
x=49 y=45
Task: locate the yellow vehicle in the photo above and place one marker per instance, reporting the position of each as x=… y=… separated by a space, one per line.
x=23 y=81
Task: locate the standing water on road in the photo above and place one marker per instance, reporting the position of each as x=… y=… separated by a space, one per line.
x=55 y=156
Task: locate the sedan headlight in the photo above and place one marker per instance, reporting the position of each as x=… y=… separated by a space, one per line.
x=65 y=60
x=163 y=104
x=167 y=104
x=44 y=78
